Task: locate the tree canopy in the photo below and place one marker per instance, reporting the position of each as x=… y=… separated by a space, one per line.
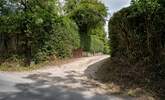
x=89 y=15
x=37 y=30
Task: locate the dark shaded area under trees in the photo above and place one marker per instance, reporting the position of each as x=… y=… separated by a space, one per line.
x=137 y=39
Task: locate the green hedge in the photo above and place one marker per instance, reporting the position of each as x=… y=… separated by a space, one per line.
x=61 y=41
x=133 y=40
x=96 y=44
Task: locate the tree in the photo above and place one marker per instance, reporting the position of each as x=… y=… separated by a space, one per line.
x=89 y=16
x=38 y=30
x=71 y=5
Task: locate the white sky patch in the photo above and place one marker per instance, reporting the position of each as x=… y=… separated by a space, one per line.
x=115 y=5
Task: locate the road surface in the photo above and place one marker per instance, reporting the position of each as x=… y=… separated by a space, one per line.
x=65 y=82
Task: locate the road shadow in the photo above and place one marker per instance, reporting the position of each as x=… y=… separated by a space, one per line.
x=46 y=86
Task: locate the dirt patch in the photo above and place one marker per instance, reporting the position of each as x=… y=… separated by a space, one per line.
x=123 y=79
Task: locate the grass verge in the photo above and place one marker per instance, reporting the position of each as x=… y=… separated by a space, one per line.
x=15 y=66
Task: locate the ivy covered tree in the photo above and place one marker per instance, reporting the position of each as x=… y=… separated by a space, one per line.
x=70 y=5
x=90 y=18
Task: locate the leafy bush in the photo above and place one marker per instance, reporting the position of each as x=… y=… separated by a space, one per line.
x=96 y=44
x=60 y=42
x=37 y=32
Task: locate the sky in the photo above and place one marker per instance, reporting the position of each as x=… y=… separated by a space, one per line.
x=115 y=5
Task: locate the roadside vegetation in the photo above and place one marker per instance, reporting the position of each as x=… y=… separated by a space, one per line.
x=35 y=31
x=137 y=39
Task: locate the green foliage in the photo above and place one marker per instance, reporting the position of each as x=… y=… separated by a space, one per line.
x=72 y=29
x=135 y=33
x=85 y=41
x=161 y=2
x=137 y=39
x=96 y=44
x=89 y=16
x=38 y=30
x=70 y=5
x=107 y=49
x=60 y=42
x=145 y=6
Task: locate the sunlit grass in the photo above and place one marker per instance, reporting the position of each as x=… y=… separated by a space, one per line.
x=18 y=67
